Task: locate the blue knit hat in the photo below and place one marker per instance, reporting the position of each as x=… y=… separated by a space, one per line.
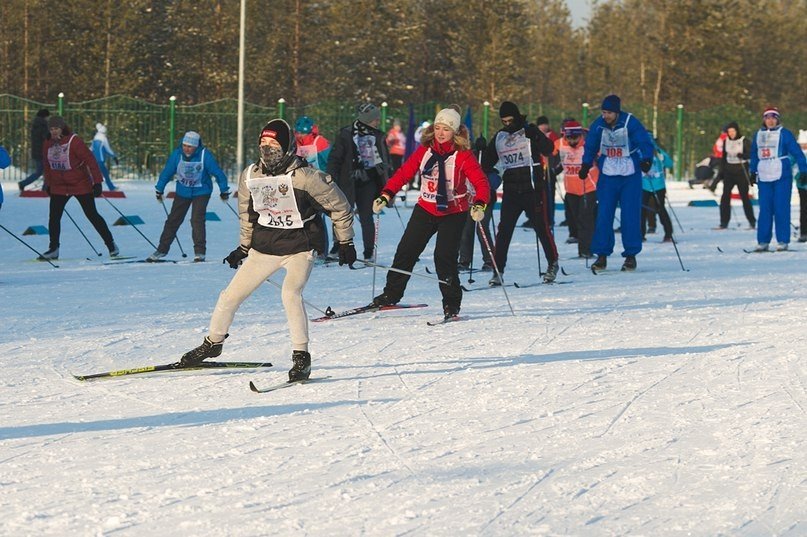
x=611 y=104
x=191 y=138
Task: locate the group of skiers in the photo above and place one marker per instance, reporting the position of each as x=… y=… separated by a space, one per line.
x=300 y=178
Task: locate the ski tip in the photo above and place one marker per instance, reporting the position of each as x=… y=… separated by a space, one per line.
x=80 y=378
x=253 y=387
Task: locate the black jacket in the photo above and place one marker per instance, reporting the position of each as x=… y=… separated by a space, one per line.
x=519 y=179
x=39 y=133
x=343 y=160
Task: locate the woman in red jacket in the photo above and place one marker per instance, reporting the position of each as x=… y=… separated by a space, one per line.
x=445 y=164
x=71 y=170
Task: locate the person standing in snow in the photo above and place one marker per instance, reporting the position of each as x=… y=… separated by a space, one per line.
x=39 y=133
x=102 y=151
x=654 y=191
x=624 y=150
x=278 y=200
x=359 y=163
x=801 y=186
x=773 y=152
x=735 y=151
x=445 y=162
x=71 y=171
x=396 y=143
x=192 y=164
x=581 y=196
x=518 y=147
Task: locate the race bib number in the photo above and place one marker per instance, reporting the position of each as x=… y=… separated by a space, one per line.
x=274 y=201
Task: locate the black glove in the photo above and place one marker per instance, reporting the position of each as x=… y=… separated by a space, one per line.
x=347 y=253
x=753 y=178
x=531 y=131
x=236 y=257
x=584 y=169
x=225 y=195
x=480 y=144
x=645 y=165
x=117 y=162
x=96 y=190
x=158 y=195
x=801 y=180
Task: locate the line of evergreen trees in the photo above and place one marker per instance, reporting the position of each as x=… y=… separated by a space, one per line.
x=658 y=53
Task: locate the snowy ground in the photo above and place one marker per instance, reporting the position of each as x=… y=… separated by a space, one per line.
x=661 y=402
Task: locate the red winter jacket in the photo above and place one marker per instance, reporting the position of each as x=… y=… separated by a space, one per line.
x=466 y=168
x=83 y=170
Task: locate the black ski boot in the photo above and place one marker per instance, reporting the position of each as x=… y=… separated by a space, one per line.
x=630 y=263
x=301 y=369
x=383 y=300
x=451 y=312
x=600 y=264
x=208 y=349
x=551 y=272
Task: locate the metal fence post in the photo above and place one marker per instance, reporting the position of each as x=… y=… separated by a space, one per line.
x=585 y=115
x=679 y=146
x=60 y=104
x=485 y=114
x=384 y=116
x=172 y=110
x=281 y=108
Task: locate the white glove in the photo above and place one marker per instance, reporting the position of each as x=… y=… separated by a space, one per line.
x=379 y=203
x=478 y=211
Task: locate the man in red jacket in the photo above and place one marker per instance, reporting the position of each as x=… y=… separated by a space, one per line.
x=70 y=170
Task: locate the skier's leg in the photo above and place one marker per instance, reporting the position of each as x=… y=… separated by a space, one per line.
x=298 y=268
x=179 y=208
x=607 y=191
x=449 y=229
x=198 y=224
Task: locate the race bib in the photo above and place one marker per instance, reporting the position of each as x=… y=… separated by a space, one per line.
x=513 y=149
x=59 y=156
x=615 y=146
x=189 y=173
x=274 y=201
x=770 y=165
x=429 y=179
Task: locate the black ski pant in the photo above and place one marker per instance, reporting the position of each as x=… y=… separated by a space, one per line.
x=651 y=207
x=470 y=231
x=568 y=213
x=177 y=215
x=732 y=178
x=803 y=211
x=366 y=192
x=420 y=229
x=583 y=215
x=533 y=203
x=87 y=202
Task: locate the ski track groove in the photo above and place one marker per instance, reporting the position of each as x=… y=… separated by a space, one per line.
x=636 y=398
x=515 y=502
x=387 y=445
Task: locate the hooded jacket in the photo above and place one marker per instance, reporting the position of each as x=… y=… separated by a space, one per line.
x=209 y=165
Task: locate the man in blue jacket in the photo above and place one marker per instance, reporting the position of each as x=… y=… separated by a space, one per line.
x=773 y=151
x=624 y=150
x=192 y=164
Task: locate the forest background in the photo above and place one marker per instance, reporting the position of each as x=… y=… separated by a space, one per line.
x=721 y=60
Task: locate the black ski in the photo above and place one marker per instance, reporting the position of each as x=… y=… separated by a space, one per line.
x=331 y=315
x=445 y=321
x=284 y=384
x=538 y=284
x=171 y=368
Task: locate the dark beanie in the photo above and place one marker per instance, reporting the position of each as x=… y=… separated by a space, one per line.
x=56 y=122
x=611 y=104
x=279 y=130
x=509 y=109
x=43 y=113
x=542 y=120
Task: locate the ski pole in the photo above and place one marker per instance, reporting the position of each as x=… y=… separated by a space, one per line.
x=375 y=249
x=82 y=233
x=401 y=271
x=307 y=303
x=129 y=221
x=231 y=208
x=28 y=246
x=537 y=238
x=675 y=244
x=669 y=206
x=495 y=265
x=175 y=237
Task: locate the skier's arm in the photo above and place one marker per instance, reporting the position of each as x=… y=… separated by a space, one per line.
x=212 y=167
x=332 y=200
x=245 y=220
x=168 y=171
